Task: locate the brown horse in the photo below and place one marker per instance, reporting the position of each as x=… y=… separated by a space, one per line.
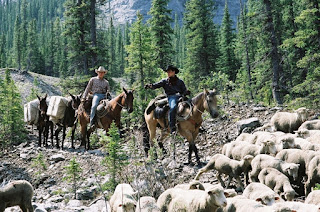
x=44 y=124
x=115 y=106
x=188 y=128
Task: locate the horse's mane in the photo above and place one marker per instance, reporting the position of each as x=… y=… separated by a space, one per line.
x=197 y=98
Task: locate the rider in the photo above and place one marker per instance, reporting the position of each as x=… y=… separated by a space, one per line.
x=174 y=89
x=100 y=89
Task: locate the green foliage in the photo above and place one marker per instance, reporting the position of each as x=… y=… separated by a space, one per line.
x=11 y=118
x=40 y=163
x=73 y=174
x=117 y=159
x=34 y=91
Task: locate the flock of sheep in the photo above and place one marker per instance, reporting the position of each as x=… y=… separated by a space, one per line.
x=279 y=161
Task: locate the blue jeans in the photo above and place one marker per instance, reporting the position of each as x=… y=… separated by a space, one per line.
x=95 y=102
x=173 y=103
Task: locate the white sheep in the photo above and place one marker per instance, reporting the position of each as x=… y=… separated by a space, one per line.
x=289 y=122
x=313 y=198
x=123 y=199
x=194 y=184
x=277 y=181
x=230 y=167
x=176 y=199
x=250 y=138
x=304 y=144
x=242 y=149
x=147 y=204
x=310 y=125
x=310 y=135
x=15 y=193
x=267 y=161
x=261 y=193
x=313 y=173
x=243 y=204
x=294 y=207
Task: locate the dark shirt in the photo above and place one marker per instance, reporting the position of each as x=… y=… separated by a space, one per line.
x=171 y=87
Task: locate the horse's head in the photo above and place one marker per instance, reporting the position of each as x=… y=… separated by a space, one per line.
x=43 y=107
x=210 y=102
x=127 y=101
x=75 y=101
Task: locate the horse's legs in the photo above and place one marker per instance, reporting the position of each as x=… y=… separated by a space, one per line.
x=51 y=130
x=83 y=130
x=56 y=133
x=40 y=132
x=192 y=147
x=46 y=134
x=72 y=134
x=63 y=135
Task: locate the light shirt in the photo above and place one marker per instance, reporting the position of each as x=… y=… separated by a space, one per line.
x=96 y=85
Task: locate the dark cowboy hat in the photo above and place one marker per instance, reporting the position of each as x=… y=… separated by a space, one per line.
x=171 y=67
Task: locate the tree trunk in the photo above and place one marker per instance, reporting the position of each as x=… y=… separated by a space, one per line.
x=275 y=56
x=244 y=26
x=93 y=31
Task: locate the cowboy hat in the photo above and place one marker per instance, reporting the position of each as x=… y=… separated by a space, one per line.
x=101 y=69
x=171 y=67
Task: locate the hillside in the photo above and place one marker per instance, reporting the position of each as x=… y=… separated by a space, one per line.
x=54 y=194
x=125 y=10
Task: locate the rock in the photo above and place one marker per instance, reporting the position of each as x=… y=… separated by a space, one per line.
x=87 y=194
x=247 y=123
x=74 y=203
x=58 y=157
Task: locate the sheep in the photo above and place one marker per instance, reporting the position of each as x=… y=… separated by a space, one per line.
x=244 y=148
x=260 y=193
x=313 y=198
x=277 y=181
x=294 y=207
x=250 y=138
x=147 y=204
x=310 y=125
x=15 y=193
x=176 y=199
x=313 y=173
x=266 y=161
x=225 y=165
x=304 y=144
x=289 y=122
x=122 y=199
x=243 y=204
x=194 y=184
x=310 y=135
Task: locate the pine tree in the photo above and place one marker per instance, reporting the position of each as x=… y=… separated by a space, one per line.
x=17 y=42
x=116 y=159
x=35 y=62
x=11 y=118
x=228 y=62
x=161 y=32
x=201 y=37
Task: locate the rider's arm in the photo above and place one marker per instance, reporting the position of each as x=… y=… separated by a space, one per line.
x=159 y=84
x=88 y=88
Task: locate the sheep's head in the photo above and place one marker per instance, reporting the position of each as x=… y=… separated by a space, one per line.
x=195 y=184
x=268 y=199
x=270 y=147
x=217 y=196
x=289 y=195
x=302 y=113
x=247 y=159
x=292 y=170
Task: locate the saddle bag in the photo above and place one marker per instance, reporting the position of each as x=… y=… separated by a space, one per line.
x=102 y=108
x=57 y=107
x=161 y=112
x=31 y=112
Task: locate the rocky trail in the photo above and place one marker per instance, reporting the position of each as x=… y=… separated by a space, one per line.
x=52 y=193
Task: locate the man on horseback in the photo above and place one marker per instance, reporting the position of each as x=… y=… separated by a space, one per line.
x=174 y=89
x=100 y=88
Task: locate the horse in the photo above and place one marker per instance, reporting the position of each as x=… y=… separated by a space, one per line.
x=69 y=120
x=188 y=128
x=114 y=108
x=44 y=124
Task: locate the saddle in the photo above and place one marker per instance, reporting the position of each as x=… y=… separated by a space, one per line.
x=160 y=107
x=103 y=108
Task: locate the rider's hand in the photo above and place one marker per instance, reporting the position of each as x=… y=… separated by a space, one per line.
x=148 y=86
